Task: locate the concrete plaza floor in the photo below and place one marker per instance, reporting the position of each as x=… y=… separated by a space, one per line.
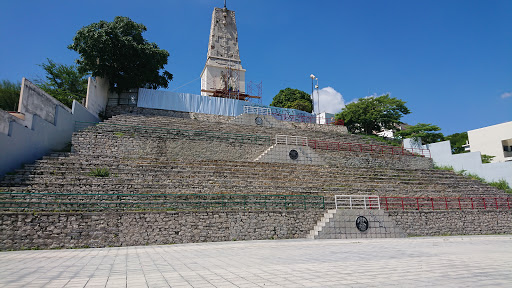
x=456 y=261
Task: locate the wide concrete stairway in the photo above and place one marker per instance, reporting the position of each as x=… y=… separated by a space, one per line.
x=341 y=224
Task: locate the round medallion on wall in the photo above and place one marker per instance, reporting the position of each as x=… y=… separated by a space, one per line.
x=258 y=121
x=362 y=223
x=294 y=155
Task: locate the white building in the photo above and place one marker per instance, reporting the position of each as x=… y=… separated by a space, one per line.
x=493 y=140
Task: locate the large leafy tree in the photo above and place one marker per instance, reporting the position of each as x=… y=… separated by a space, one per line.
x=293 y=98
x=373 y=114
x=457 y=140
x=9 y=95
x=117 y=51
x=64 y=82
x=427 y=133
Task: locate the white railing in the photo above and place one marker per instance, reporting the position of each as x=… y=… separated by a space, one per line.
x=292 y=140
x=357 y=202
x=257 y=110
x=419 y=151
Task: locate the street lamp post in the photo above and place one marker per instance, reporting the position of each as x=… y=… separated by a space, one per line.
x=318 y=95
x=312 y=89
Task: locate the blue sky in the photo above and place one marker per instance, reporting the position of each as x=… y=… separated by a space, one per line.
x=451 y=61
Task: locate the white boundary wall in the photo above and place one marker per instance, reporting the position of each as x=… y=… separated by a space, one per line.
x=168 y=100
x=48 y=126
x=97 y=95
x=471 y=162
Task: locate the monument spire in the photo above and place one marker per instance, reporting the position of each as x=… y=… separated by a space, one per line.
x=223 y=69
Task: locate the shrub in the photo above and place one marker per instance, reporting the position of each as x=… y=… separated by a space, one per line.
x=100 y=172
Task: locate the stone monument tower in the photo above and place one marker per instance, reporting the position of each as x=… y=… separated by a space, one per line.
x=223 y=75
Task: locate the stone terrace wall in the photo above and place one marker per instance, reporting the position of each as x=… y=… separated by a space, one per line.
x=126 y=145
x=435 y=223
x=244 y=119
x=126 y=109
x=374 y=160
x=74 y=230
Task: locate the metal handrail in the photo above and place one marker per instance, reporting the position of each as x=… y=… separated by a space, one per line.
x=257 y=110
x=292 y=140
x=161 y=201
x=357 y=201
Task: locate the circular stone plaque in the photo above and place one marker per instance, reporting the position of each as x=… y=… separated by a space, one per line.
x=258 y=121
x=362 y=223
x=293 y=154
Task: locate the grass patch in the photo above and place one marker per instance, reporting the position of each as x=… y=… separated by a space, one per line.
x=119 y=134
x=502 y=185
x=446 y=168
x=100 y=172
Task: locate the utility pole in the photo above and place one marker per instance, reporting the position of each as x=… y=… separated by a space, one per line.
x=318 y=95
x=312 y=89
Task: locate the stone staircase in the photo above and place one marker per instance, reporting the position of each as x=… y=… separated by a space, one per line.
x=147 y=161
x=341 y=224
x=233 y=127
x=191 y=169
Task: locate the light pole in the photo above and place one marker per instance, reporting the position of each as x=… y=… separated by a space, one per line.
x=318 y=95
x=312 y=89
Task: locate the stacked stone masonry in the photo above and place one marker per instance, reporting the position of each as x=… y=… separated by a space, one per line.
x=144 y=162
x=76 y=230
x=439 y=223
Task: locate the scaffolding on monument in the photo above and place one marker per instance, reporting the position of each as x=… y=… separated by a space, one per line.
x=228 y=86
x=255 y=89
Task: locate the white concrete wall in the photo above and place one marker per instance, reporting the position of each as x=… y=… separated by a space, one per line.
x=324 y=118
x=34 y=101
x=48 y=126
x=488 y=140
x=97 y=95
x=280 y=153
x=470 y=162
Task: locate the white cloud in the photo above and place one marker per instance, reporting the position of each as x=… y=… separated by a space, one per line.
x=331 y=101
x=506 y=95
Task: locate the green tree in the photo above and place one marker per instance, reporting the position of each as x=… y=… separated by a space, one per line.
x=9 y=95
x=118 y=52
x=373 y=114
x=486 y=158
x=457 y=140
x=64 y=82
x=293 y=98
x=427 y=133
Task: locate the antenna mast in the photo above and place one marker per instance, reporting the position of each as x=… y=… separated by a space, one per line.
x=224 y=4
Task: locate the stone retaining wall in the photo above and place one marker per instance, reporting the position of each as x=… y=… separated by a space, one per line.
x=74 y=230
x=435 y=223
x=128 y=145
x=374 y=160
x=126 y=109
